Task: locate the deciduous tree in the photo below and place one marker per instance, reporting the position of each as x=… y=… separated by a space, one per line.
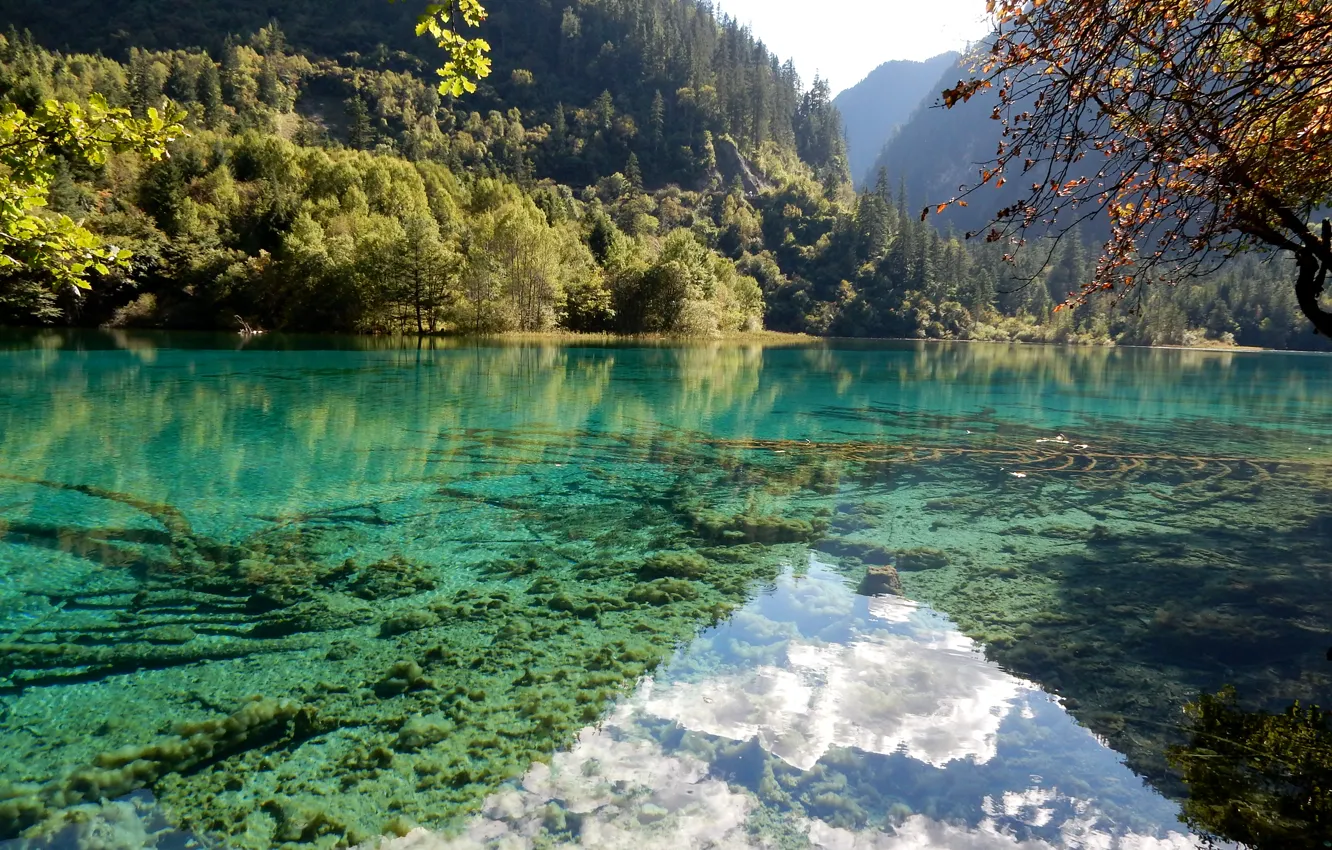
x=34 y=242
x=1202 y=129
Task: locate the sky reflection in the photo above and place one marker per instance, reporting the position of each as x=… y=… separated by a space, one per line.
x=848 y=723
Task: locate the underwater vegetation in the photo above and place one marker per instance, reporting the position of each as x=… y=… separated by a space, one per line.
x=352 y=593
x=1263 y=779
x=415 y=695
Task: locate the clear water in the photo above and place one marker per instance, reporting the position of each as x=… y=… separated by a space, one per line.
x=315 y=592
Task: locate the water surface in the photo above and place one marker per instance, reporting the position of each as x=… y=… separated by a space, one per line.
x=312 y=592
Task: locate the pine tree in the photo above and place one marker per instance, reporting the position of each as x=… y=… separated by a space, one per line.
x=360 y=133
x=270 y=90
x=818 y=136
x=657 y=122
x=604 y=109
x=634 y=174
x=145 y=91
x=208 y=88
x=559 y=131
x=182 y=83
x=270 y=40
x=233 y=73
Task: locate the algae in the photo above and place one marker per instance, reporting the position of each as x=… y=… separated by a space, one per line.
x=119 y=772
x=505 y=675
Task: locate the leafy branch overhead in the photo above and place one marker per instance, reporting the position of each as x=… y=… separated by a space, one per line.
x=468 y=62
x=1198 y=129
x=35 y=242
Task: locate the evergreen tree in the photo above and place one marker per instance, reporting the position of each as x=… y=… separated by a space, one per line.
x=145 y=88
x=559 y=131
x=634 y=174
x=208 y=92
x=657 y=121
x=270 y=90
x=233 y=74
x=182 y=82
x=360 y=133
x=249 y=217
x=818 y=136
x=604 y=110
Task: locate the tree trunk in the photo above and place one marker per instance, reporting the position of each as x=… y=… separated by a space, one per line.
x=1311 y=281
x=416 y=294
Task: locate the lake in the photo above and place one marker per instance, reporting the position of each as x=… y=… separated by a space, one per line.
x=329 y=592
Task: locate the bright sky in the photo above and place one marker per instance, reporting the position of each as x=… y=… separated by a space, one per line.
x=843 y=40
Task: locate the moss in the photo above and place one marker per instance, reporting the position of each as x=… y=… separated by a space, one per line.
x=543 y=585
x=750 y=526
x=342 y=650
x=663 y=591
x=119 y=772
x=22 y=806
x=562 y=602
x=421 y=732
x=175 y=634
x=301 y=822
x=436 y=723
x=869 y=553
x=921 y=559
x=408 y=621
x=684 y=564
x=511 y=568
x=390 y=578
x=402 y=677
x=881 y=581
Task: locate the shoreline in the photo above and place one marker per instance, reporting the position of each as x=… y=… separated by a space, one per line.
x=764 y=338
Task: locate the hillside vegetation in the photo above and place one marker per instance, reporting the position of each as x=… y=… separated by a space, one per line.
x=632 y=166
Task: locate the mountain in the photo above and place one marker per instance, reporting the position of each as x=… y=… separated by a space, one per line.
x=877 y=105
x=610 y=78
x=936 y=150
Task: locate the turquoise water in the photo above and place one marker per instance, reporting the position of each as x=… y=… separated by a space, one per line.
x=315 y=592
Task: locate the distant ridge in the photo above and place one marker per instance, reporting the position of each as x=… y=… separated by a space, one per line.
x=876 y=106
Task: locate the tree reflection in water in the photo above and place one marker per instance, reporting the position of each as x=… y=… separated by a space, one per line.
x=1261 y=779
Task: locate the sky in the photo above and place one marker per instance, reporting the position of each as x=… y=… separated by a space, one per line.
x=843 y=40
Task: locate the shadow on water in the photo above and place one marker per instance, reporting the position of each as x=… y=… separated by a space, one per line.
x=1143 y=621
x=1258 y=778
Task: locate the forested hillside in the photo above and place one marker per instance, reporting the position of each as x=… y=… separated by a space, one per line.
x=874 y=108
x=632 y=166
x=609 y=77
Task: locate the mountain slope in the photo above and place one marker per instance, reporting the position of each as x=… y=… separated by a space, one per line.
x=937 y=150
x=633 y=165
x=877 y=105
x=610 y=78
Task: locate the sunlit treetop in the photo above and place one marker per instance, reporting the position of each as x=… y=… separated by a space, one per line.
x=1200 y=128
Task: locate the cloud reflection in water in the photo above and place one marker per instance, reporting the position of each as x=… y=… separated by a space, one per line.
x=927 y=694
x=877 y=691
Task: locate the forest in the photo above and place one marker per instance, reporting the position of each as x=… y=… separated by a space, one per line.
x=325 y=185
